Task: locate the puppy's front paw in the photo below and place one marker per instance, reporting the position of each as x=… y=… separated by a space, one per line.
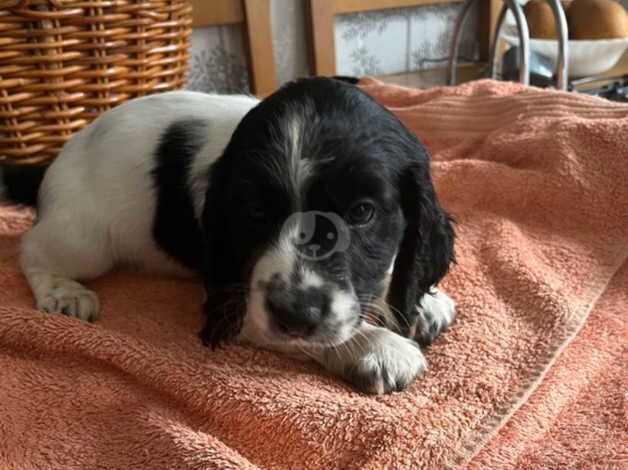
x=435 y=313
x=377 y=360
x=389 y=365
x=69 y=298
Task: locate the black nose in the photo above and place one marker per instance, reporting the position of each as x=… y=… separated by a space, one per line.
x=298 y=314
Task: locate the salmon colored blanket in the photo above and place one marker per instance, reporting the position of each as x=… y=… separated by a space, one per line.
x=537 y=183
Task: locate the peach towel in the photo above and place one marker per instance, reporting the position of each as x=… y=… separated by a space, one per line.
x=537 y=183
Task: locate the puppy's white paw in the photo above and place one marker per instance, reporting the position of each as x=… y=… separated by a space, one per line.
x=436 y=312
x=69 y=298
x=377 y=361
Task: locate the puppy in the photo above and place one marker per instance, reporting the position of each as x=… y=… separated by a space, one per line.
x=310 y=216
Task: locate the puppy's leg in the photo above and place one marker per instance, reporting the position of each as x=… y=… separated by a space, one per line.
x=375 y=360
x=435 y=312
x=55 y=253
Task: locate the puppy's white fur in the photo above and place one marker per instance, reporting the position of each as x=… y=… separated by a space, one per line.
x=97 y=201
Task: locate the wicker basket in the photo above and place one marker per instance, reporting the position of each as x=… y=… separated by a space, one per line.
x=64 y=62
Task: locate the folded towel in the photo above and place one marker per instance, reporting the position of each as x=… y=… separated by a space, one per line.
x=578 y=416
x=536 y=181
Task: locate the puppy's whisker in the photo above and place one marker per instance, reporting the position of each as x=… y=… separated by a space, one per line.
x=396 y=320
x=398 y=317
x=357 y=340
x=374 y=319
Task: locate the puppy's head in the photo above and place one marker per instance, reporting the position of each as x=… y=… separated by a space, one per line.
x=322 y=197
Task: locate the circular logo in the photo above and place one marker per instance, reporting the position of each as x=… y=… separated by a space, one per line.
x=316 y=235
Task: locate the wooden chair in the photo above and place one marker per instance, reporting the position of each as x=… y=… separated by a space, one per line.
x=321 y=20
x=254 y=15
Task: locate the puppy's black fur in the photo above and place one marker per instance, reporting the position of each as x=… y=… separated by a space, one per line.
x=360 y=151
x=175 y=228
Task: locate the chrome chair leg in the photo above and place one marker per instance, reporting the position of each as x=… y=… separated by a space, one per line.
x=454 y=46
x=524 y=41
x=493 y=51
x=562 y=64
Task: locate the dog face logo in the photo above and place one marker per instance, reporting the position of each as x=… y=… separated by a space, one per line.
x=319 y=234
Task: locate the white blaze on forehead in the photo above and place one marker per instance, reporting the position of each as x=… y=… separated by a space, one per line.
x=304 y=170
x=293 y=133
x=293 y=130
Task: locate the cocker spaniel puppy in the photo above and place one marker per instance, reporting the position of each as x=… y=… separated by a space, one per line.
x=310 y=216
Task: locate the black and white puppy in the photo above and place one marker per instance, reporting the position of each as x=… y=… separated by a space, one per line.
x=305 y=214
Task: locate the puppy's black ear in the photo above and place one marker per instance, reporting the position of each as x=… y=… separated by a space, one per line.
x=426 y=249
x=225 y=298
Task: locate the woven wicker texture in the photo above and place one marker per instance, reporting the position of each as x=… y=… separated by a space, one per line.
x=64 y=62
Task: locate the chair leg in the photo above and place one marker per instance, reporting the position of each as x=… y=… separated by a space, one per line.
x=493 y=52
x=524 y=41
x=562 y=63
x=454 y=46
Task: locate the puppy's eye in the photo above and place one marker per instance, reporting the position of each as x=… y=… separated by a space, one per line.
x=256 y=211
x=360 y=213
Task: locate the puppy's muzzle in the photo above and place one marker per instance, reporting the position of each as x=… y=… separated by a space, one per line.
x=298 y=312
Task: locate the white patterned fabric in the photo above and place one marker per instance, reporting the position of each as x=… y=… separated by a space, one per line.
x=399 y=40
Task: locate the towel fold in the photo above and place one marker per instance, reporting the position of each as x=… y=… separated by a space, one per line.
x=536 y=182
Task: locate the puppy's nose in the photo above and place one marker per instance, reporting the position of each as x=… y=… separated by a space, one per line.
x=300 y=315
x=314 y=247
